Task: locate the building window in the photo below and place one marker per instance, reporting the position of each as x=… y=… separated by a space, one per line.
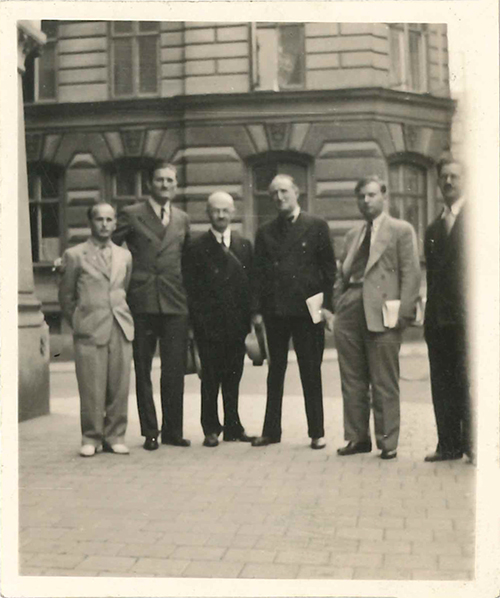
x=135 y=57
x=278 y=56
x=40 y=78
x=44 y=207
x=408 y=53
x=129 y=182
x=408 y=197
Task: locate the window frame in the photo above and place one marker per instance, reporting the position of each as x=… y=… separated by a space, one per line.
x=403 y=79
x=33 y=70
x=134 y=36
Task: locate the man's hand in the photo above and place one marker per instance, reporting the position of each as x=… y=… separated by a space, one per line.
x=328 y=318
x=403 y=323
x=257 y=320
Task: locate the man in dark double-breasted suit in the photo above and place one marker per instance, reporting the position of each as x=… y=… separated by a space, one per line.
x=217 y=271
x=294 y=260
x=446 y=318
x=156 y=233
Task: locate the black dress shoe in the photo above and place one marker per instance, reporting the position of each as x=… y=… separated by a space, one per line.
x=242 y=438
x=211 y=440
x=389 y=454
x=264 y=441
x=151 y=443
x=352 y=448
x=318 y=443
x=438 y=456
x=176 y=441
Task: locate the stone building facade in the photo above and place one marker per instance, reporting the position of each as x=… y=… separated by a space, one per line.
x=231 y=104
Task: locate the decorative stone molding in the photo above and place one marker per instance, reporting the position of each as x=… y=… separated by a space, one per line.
x=30 y=42
x=33 y=147
x=278 y=134
x=133 y=141
x=411 y=135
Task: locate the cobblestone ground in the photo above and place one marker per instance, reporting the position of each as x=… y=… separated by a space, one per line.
x=279 y=512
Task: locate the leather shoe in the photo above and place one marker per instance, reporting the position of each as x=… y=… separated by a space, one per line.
x=318 y=443
x=87 y=450
x=438 y=456
x=117 y=448
x=389 y=454
x=176 y=441
x=151 y=443
x=211 y=440
x=264 y=441
x=242 y=438
x=352 y=448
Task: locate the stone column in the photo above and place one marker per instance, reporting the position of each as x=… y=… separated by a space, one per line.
x=32 y=329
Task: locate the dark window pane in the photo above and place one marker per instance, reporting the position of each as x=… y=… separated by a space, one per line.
x=29 y=80
x=148 y=26
x=125 y=183
x=123 y=26
x=49 y=180
x=31 y=184
x=263 y=175
x=123 y=67
x=50 y=220
x=148 y=78
x=50 y=29
x=47 y=73
x=35 y=254
x=415 y=74
x=291 y=55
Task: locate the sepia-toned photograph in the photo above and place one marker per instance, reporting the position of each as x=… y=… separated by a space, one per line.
x=247 y=305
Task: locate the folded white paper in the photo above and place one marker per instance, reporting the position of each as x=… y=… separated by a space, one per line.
x=314 y=304
x=390 y=313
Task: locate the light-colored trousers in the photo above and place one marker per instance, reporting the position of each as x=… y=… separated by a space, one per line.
x=103 y=374
x=367 y=361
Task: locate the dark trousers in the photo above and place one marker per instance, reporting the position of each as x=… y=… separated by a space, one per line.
x=369 y=369
x=171 y=330
x=450 y=389
x=222 y=368
x=308 y=342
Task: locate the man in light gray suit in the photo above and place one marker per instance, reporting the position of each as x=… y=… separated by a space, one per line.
x=379 y=263
x=92 y=293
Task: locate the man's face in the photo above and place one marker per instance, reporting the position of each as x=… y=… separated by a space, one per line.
x=103 y=222
x=284 y=195
x=163 y=185
x=220 y=210
x=370 y=200
x=451 y=182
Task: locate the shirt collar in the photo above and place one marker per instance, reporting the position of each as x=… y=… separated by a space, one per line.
x=157 y=208
x=455 y=208
x=100 y=244
x=295 y=214
x=376 y=221
x=226 y=235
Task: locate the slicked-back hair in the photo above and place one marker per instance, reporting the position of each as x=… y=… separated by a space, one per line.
x=372 y=178
x=447 y=158
x=159 y=164
x=91 y=210
x=284 y=176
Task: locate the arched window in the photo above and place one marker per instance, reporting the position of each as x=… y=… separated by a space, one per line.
x=408 y=197
x=44 y=190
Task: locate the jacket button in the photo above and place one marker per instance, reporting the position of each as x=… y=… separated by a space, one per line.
x=276 y=263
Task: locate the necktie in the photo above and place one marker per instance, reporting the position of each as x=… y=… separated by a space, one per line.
x=361 y=258
x=104 y=256
x=162 y=216
x=223 y=242
x=449 y=221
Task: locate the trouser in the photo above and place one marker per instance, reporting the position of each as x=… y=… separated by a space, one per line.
x=450 y=386
x=368 y=361
x=221 y=367
x=171 y=331
x=308 y=342
x=103 y=375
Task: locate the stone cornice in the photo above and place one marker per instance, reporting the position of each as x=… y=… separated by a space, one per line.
x=30 y=41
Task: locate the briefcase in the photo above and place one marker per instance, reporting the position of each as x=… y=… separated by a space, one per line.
x=256 y=345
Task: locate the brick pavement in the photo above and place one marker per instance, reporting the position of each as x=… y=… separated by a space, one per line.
x=279 y=512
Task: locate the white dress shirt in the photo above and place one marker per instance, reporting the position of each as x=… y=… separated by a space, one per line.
x=449 y=215
x=157 y=209
x=226 y=235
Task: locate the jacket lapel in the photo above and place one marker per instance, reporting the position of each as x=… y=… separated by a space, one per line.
x=151 y=221
x=92 y=257
x=115 y=258
x=455 y=237
x=297 y=230
x=351 y=252
x=381 y=241
x=170 y=233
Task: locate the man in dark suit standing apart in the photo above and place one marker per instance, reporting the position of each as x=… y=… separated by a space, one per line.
x=445 y=325
x=155 y=233
x=379 y=263
x=216 y=271
x=294 y=260
x=92 y=293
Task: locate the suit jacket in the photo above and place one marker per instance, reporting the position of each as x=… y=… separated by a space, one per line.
x=218 y=286
x=392 y=271
x=291 y=267
x=91 y=297
x=446 y=273
x=156 y=285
